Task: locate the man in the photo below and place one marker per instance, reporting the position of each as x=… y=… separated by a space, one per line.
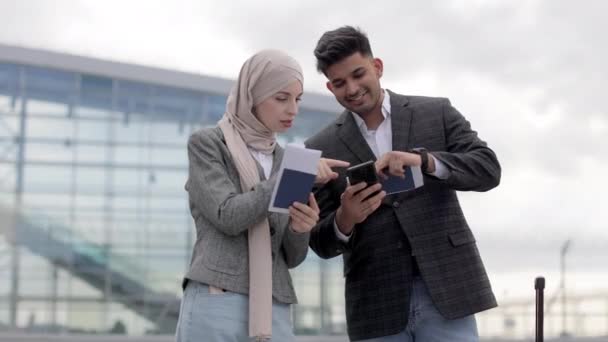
x=412 y=268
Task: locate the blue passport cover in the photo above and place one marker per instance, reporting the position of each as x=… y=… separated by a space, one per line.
x=396 y=184
x=294 y=186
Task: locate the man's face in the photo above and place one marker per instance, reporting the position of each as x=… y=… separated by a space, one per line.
x=355 y=82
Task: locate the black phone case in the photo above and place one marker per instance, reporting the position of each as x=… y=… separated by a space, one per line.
x=364 y=172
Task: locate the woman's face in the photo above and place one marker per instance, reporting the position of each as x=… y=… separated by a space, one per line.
x=278 y=111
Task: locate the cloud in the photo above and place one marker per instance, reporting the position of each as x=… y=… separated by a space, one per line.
x=544 y=58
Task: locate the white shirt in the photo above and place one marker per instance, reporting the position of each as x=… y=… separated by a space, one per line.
x=265 y=160
x=380 y=142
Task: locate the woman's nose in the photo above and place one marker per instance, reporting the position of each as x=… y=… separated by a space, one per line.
x=293 y=108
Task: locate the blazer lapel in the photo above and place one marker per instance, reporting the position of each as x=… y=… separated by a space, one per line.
x=351 y=136
x=276 y=219
x=277 y=158
x=401 y=120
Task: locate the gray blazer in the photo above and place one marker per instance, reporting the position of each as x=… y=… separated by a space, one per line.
x=427 y=222
x=223 y=213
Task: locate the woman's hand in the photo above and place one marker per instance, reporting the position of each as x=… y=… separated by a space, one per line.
x=304 y=217
x=324 y=171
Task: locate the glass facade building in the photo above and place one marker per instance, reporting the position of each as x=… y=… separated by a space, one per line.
x=96 y=230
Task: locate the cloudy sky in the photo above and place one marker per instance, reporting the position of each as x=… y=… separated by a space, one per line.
x=529 y=75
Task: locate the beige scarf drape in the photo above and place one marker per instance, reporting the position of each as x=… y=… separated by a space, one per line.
x=261 y=76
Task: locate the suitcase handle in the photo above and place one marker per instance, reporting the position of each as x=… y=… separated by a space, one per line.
x=539 y=286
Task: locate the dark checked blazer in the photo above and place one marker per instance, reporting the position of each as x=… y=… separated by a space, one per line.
x=427 y=222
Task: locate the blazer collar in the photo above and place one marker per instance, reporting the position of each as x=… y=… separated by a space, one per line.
x=351 y=136
x=277 y=156
x=401 y=121
x=401 y=117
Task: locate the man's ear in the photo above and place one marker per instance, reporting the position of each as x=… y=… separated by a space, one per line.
x=329 y=86
x=379 y=66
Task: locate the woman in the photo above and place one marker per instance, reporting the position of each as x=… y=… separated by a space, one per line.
x=238 y=286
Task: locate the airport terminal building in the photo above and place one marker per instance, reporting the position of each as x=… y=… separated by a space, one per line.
x=96 y=229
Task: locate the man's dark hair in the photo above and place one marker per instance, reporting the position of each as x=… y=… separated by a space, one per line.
x=336 y=45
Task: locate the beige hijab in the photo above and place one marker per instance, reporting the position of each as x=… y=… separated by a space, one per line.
x=262 y=75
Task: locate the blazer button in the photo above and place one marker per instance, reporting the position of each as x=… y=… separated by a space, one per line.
x=272 y=231
x=399 y=245
x=396 y=204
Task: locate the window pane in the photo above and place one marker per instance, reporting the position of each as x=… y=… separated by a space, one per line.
x=46 y=179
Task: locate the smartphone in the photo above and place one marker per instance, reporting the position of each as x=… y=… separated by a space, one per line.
x=364 y=172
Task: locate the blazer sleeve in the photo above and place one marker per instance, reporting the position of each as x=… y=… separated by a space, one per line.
x=473 y=165
x=324 y=241
x=215 y=196
x=295 y=246
x=323 y=238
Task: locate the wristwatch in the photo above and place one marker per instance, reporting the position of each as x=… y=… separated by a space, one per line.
x=424 y=156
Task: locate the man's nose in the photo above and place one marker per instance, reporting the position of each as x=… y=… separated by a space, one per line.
x=352 y=88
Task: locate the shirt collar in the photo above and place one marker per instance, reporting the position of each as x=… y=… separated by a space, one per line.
x=386 y=111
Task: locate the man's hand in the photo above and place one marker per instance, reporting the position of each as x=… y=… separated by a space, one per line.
x=324 y=171
x=396 y=161
x=355 y=208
